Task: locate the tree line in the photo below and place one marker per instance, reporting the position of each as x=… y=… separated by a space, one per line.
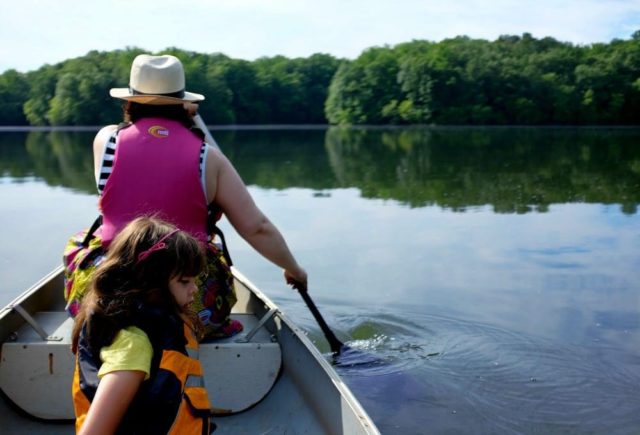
x=514 y=80
x=274 y=90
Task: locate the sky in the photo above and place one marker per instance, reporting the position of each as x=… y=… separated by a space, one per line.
x=38 y=32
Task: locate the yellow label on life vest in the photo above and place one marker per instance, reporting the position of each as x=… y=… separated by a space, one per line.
x=159 y=131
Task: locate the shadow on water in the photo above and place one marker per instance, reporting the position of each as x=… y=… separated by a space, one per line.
x=445 y=375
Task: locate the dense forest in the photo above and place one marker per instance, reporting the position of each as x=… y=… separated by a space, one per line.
x=514 y=80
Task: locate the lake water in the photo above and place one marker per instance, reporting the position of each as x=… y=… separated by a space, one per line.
x=494 y=272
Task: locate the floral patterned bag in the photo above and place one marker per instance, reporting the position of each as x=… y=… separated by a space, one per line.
x=82 y=254
x=216 y=295
x=216 y=292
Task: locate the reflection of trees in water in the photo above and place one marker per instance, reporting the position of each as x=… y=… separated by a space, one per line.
x=267 y=158
x=63 y=158
x=513 y=170
x=59 y=158
x=279 y=158
x=14 y=161
x=381 y=163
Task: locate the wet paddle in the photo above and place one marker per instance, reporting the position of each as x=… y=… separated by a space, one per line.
x=208 y=138
x=336 y=345
x=343 y=355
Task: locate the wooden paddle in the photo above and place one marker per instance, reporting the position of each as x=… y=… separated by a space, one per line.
x=207 y=134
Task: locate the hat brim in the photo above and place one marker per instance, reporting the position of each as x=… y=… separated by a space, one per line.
x=125 y=94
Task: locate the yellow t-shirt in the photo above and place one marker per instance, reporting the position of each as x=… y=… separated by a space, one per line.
x=130 y=350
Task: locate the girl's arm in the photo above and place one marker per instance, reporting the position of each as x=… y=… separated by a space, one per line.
x=115 y=392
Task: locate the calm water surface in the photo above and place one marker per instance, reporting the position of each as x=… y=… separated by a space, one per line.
x=494 y=272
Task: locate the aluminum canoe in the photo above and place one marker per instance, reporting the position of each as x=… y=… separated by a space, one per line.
x=270 y=379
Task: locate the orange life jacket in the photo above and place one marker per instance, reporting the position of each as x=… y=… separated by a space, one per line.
x=173 y=400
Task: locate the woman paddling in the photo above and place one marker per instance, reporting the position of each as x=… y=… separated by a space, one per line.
x=156 y=162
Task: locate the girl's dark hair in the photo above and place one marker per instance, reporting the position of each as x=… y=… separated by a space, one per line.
x=121 y=283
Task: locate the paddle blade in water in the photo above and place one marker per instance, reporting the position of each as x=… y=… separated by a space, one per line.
x=350 y=357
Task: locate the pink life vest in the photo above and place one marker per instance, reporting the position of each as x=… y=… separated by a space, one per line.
x=155 y=172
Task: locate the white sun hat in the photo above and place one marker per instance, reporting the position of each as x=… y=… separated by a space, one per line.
x=156 y=80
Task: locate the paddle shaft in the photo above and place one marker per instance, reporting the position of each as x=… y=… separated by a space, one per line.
x=335 y=344
x=208 y=138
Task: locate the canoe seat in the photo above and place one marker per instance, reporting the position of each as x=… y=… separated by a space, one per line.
x=238 y=375
x=37 y=375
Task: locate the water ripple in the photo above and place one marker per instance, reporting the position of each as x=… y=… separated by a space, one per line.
x=451 y=373
x=382 y=345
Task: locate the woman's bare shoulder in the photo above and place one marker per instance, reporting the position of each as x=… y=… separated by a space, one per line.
x=103 y=135
x=106 y=131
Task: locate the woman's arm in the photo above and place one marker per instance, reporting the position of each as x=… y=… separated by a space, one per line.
x=227 y=189
x=115 y=392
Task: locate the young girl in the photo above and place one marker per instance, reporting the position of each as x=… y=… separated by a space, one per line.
x=135 y=340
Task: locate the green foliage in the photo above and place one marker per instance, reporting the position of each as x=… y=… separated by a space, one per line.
x=13 y=87
x=415 y=82
x=365 y=91
x=266 y=91
x=43 y=85
x=76 y=92
x=294 y=90
x=514 y=80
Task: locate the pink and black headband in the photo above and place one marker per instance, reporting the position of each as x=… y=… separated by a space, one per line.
x=160 y=244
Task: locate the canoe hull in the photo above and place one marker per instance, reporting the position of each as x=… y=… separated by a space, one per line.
x=292 y=388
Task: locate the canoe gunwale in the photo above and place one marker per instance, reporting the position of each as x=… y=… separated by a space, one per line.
x=300 y=335
x=48 y=299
